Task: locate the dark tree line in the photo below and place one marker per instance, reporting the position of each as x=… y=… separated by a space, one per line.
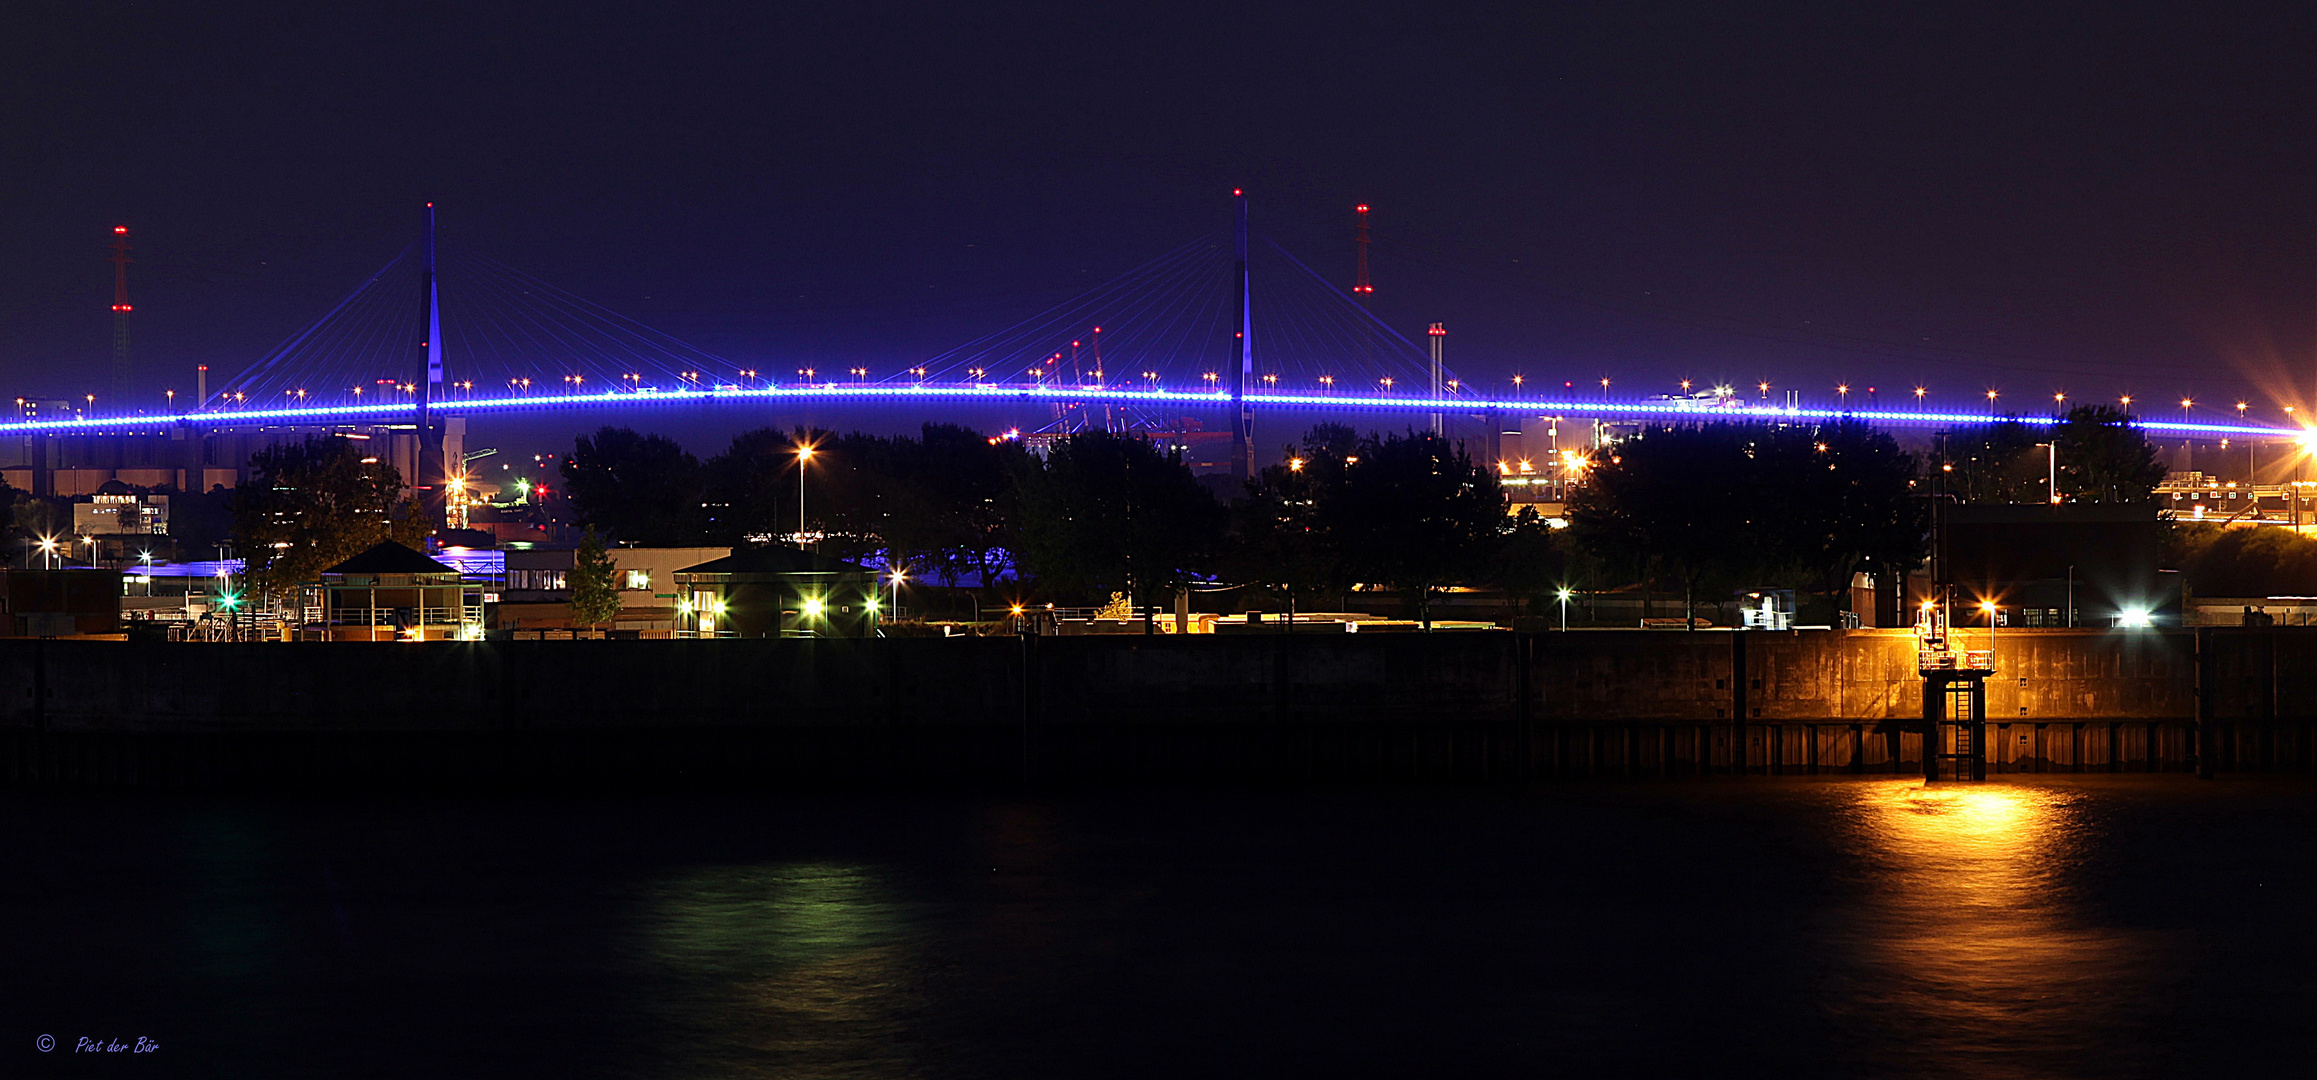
x=1695 y=511
x=1717 y=507
x=2101 y=458
x=1098 y=514
x=938 y=502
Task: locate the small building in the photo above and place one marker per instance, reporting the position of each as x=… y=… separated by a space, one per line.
x=117 y=510
x=537 y=595
x=777 y=592
x=391 y=593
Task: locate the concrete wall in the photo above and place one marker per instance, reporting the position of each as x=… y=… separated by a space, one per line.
x=1310 y=707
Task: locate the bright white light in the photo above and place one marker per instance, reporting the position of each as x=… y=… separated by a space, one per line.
x=2134 y=617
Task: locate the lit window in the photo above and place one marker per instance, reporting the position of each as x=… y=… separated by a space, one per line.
x=639 y=580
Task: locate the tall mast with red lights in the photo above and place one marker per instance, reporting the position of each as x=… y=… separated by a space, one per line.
x=120 y=261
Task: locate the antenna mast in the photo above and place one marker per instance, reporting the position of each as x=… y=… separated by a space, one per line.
x=1437 y=332
x=120 y=261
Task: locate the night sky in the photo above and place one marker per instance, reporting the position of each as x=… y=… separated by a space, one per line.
x=2096 y=199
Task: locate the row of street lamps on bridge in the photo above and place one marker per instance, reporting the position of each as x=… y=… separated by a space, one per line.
x=751 y=378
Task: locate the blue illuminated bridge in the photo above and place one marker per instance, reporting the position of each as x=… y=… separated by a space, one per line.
x=1228 y=323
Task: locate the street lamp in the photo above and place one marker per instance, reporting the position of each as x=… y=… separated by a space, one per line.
x=1919 y=392
x=1563 y=595
x=1991 y=403
x=804 y=454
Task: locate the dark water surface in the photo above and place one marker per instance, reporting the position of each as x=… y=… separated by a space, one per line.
x=2146 y=926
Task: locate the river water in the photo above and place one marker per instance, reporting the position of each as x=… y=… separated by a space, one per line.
x=2136 y=926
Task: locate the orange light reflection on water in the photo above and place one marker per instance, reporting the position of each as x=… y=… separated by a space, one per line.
x=1975 y=928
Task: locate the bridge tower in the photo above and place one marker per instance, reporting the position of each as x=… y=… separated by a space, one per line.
x=433 y=472
x=120 y=261
x=1242 y=417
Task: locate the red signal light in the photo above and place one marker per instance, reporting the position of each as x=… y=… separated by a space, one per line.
x=120 y=228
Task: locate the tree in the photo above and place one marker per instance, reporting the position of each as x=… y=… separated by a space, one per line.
x=1279 y=538
x=1718 y=504
x=2103 y=458
x=751 y=486
x=936 y=503
x=311 y=505
x=1842 y=495
x=1114 y=513
x=643 y=489
x=594 y=590
x=1414 y=513
x=1991 y=463
x=1681 y=499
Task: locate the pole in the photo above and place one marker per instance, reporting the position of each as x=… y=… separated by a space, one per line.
x=430 y=467
x=1242 y=420
x=801 y=458
x=120 y=261
x=1437 y=332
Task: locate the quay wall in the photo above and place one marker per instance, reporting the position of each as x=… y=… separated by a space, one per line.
x=1296 y=708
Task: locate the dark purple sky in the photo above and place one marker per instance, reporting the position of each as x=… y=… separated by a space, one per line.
x=2096 y=198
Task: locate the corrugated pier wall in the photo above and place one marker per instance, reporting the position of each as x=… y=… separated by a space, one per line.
x=1288 y=708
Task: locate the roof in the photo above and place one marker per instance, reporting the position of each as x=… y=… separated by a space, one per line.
x=390 y=558
x=776 y=560
x=114 y=487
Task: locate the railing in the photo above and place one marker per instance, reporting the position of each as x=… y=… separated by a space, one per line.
x=1953 y=660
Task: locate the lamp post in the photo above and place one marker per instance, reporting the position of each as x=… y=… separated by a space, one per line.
x=804 y=454
x=1563 y=595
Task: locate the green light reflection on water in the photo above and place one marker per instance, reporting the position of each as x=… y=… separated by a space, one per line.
x=787 y=969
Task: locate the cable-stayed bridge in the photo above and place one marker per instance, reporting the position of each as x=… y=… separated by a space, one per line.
x=1228 y=324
